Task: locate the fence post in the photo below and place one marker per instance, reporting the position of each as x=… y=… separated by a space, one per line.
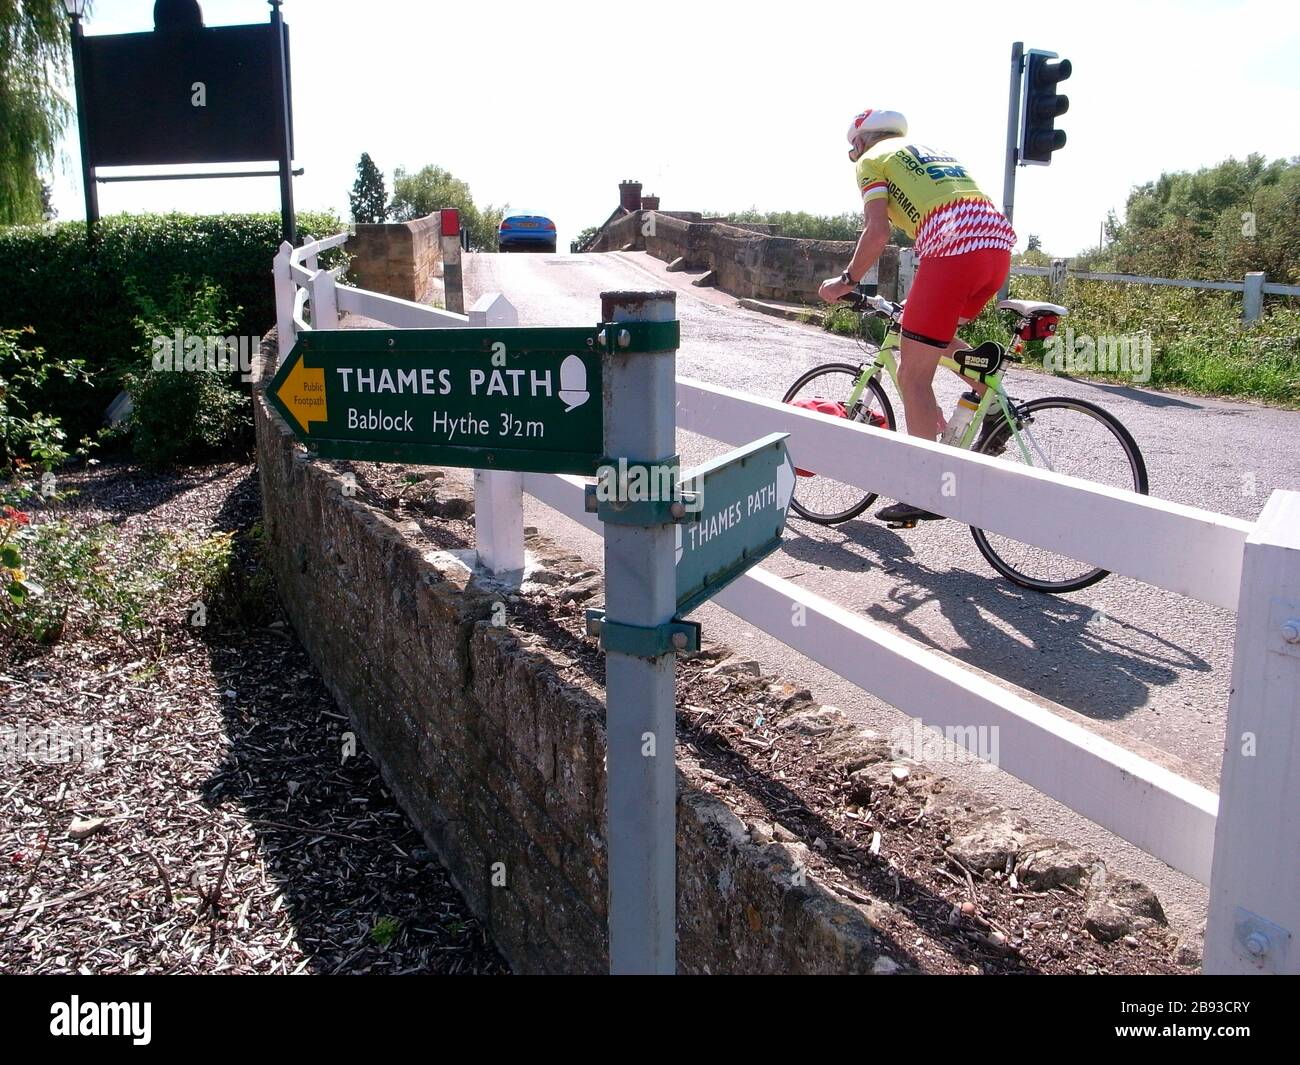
x=1056 y=280
x=498 y=494
x=641 y=592
x=1252 y=297
x=285 y=291
x=324 y=301
x=906 y=272
x=453 y=289
x=1254 y=911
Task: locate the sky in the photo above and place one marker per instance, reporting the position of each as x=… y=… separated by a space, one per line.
x=724 y=106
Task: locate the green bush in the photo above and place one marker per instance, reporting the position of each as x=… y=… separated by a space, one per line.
x=1198 y=341
x=807 y=226
x=180 y=415
x=27 y=434
x=77 y=295
x=81 y=582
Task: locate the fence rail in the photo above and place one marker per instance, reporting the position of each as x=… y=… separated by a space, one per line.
x=1268 y=287
x=310 y=297
x=1253 y=287
x=1117 y=530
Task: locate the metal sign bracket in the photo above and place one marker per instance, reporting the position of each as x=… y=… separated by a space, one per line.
x=632 y=337
x=644 y=641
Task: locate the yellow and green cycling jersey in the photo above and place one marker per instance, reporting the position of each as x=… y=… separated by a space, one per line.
x=932 y=198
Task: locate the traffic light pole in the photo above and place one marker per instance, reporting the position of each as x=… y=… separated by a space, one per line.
x=1013 y=140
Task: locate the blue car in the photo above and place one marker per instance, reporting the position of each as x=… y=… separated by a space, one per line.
x=524 y=231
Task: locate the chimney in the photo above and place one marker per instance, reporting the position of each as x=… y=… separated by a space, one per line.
x=629 y=195
x=649 y=203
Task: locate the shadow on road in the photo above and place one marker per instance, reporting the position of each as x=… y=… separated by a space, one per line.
x=1137 y=395
x=1094 y=664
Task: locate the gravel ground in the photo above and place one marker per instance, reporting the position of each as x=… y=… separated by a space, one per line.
x=224 y=831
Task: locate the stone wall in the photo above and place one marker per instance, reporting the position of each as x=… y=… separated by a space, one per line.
x=496 y=760
x=403 y=259
x=747 y=259
x=619 y=233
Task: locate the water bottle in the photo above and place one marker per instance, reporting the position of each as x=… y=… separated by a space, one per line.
x=961 y=416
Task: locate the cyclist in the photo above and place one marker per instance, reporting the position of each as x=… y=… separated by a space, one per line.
x=963 y=245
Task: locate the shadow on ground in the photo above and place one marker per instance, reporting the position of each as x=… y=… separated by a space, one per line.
x=363 y=892
x=1067 y=651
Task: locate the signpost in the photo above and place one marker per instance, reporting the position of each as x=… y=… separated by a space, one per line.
x=663 y=557
x=494 y=398
x=743 y=497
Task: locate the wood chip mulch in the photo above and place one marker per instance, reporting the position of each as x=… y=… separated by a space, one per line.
x=224 y=831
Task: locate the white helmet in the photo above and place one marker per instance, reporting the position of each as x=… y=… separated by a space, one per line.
x=869 y=121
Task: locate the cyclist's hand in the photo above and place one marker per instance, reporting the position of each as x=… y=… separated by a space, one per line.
x=833 y=288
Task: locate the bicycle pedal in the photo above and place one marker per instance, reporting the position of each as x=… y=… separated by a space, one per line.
x=901 y=524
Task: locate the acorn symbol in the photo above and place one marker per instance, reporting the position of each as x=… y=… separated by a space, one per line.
x=573 y=383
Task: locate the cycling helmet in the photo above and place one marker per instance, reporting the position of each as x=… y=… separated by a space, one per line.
x=871 y=122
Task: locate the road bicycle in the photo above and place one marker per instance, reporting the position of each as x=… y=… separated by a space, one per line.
x=1058 y=433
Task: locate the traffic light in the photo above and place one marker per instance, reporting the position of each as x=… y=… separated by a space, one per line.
x=1039 y=137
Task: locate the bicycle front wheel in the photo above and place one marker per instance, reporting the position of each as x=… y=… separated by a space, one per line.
x=819 y=498
x=1067 y=436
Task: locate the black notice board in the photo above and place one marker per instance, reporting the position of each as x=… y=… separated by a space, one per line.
x=140 y=90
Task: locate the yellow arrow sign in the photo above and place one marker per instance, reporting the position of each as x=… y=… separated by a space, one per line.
x=303 y=394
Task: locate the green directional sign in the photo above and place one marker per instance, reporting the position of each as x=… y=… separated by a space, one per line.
x=743 y=497
x=497 y=398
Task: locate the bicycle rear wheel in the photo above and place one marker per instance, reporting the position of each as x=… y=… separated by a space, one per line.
x=1073 y=437
x=818 y=498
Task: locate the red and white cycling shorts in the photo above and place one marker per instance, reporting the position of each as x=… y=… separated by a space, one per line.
x=949 y=289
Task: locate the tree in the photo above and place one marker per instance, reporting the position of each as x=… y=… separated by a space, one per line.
x=369 y=197
x=33 y=111
x=48 y=211
x=433 y=189
x=1216 y=222
x=1035 y=243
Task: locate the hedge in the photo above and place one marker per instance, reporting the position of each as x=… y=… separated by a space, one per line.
x=79 y=296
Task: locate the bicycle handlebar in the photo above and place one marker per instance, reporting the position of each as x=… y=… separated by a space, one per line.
x=876 y=305
x=879 y=307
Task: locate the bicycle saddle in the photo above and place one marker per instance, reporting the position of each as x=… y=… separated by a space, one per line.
x=1029 y=308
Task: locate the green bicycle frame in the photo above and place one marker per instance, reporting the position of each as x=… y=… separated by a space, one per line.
x=886 y=360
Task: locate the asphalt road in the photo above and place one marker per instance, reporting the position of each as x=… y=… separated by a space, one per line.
x=1150 y=664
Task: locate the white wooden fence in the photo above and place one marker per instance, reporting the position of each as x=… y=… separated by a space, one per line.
x=1244 y=842
x=309 y=297
x=1254 y=287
